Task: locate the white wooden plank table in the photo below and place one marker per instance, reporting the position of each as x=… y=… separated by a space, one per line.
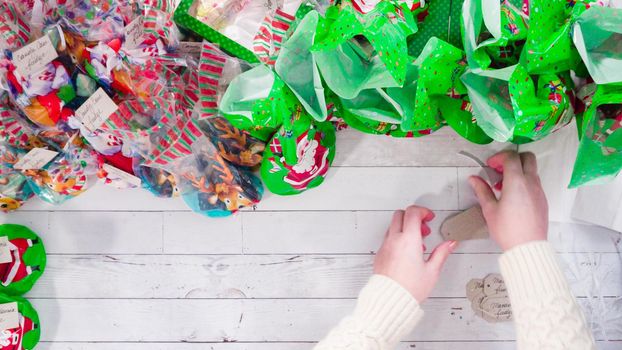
x=130 y=271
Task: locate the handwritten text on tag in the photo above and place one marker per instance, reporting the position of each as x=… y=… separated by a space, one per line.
x=34 y=56
x=9 y=316
x=96 y=110
x=134 y=33
x=116 y=173
x=5 y=250
x=37 y=158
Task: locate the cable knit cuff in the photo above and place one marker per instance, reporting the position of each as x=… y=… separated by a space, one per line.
x=532 y=270
x=386 y=310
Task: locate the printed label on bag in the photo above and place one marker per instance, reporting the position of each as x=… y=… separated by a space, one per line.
x=190 y=48
x=9 y=316
x=5 y=250
x=96 y=110
x=134 y=33
x=118 y=174
x=37 y=158
x=35 y=56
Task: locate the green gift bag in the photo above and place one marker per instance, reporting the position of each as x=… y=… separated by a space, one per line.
x=299 y=155
x=26 y=334
x=258 y=101
x=597 y=36
x=296 y=66
x=600 y=151
x=357 y=51
x=25 y=259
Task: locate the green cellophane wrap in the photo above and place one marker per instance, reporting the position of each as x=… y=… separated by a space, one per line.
x=438 y=19
x=300 y=149
x=29 y=260
x=600 y=151
x=258 y=101
x=391 y=70
x=440 y=93
x=597 y=36
x=519 y=66
x=376 y=59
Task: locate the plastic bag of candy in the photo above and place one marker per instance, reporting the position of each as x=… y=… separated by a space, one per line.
x=249 y=29
x=14 y=28
x=68 y=175
x=207 y=183
x=14 y=187
x=213 y=75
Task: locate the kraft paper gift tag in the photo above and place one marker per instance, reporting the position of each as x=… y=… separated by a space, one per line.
x=470 y=224
x=489 y=298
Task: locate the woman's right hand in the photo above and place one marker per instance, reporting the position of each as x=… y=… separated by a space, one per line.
x=521 y=213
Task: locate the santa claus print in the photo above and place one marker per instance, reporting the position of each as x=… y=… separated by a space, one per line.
x=312 y=161
x=16 y=270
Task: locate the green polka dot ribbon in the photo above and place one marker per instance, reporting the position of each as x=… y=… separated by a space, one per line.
x=184 y=18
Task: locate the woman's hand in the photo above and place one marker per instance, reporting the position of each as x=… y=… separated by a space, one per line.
x=401 y=255
x=520 y=215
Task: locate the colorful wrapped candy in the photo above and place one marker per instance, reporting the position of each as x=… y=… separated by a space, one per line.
x=14 y=187
x=43 y=96
x=26 y=261
x=92 y=20
x=70 y=174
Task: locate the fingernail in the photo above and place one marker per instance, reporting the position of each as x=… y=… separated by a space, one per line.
x=453 y=245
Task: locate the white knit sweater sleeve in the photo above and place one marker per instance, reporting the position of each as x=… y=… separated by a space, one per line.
x=385 y=313
x=546 y=313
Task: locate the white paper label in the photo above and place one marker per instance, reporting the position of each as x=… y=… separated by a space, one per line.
x=116 y=173
x=37 y=158
x=96 y=110
x=190 y=48
x=134 y=33
x=5 y=251
x=9 y=316
x=34 y=56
